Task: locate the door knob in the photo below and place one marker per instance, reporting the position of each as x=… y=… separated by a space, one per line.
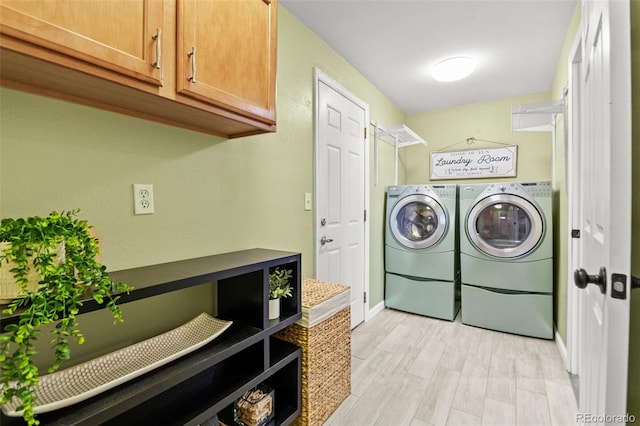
x=324 y=240
x=582 y=279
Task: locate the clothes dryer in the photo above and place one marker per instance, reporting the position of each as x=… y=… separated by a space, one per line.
x=506 y=257
x=421 y=250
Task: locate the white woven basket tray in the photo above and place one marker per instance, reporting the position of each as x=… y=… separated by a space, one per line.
x=80 y=382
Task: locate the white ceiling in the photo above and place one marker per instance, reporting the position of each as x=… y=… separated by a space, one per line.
x=395 y=43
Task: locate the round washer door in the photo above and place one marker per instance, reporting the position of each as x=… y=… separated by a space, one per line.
x=505 y=225
x=418 y=221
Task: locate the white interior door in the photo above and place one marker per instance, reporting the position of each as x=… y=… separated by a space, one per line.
x=605 y=210
x=341 y=246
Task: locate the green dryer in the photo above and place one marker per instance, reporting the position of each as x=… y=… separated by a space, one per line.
x=506 y=257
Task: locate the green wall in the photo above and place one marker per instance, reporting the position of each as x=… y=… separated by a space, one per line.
x=211 y=195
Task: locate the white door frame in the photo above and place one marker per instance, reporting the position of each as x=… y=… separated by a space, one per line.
x=319 y=76
x=574 y=294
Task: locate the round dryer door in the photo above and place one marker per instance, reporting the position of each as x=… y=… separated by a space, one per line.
x=418 y=221
x=505 y=225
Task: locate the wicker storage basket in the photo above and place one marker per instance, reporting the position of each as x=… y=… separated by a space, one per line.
x=324 y=334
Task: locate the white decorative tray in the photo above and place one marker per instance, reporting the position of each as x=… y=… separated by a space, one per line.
x=82 y=381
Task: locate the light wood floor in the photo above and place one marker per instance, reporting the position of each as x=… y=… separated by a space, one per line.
x=410 y=370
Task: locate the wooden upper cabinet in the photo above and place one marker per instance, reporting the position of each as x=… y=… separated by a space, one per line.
x=103 y=53
x=226 y=54
x=118 y=35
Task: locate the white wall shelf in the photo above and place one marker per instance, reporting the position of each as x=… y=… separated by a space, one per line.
x=401 y=136
x=535 y=117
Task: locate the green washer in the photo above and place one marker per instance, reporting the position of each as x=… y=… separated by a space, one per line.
x=421 y=250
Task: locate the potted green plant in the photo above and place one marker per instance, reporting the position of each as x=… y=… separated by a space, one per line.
x=278 y=287
x=64 y=281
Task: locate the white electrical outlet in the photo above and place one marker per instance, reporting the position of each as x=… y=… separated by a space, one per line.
x=143 y=198
x=307 y=201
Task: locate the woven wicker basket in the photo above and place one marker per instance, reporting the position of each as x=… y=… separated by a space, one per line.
x=326 y=354
x=9 y=289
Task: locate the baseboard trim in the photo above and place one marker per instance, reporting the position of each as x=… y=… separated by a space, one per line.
x=561 y=347
x=374 y=311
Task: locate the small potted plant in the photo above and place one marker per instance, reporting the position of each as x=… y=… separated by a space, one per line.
x=278 y=287
x=64 y=280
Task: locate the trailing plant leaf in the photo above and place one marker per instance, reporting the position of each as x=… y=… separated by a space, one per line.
x=64 y=284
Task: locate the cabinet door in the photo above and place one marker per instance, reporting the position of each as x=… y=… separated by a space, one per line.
x=119 y=35
x=227 y=54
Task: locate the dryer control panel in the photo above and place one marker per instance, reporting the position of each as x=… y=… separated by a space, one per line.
x=538 y=189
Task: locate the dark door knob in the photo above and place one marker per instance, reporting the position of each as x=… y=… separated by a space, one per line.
x=582 y=279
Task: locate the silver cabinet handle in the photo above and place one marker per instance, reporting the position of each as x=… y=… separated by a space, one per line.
x=192 y=55
x=324 y=240
x=158 y=40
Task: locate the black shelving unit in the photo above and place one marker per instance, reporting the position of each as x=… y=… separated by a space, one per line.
x=207 y=382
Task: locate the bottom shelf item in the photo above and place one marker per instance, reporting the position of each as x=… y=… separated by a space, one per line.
x=255 y=407
x=80 y=382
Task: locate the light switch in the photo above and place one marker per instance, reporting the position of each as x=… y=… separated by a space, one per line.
x=307 y=201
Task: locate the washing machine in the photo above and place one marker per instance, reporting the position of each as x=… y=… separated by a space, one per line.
x=422 y=268
x=506 y=257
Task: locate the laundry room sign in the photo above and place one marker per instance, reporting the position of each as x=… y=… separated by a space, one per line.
x=474 y=163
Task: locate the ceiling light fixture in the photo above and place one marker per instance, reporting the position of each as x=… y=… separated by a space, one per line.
x=453 y=69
